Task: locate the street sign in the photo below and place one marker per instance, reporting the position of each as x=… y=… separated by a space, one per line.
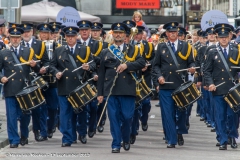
x=13 y=4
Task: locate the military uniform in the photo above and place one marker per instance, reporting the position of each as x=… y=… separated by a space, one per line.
x=163 y=66
x=121 y=100
x=14 y=86
x=215 y=73
x=68 y=82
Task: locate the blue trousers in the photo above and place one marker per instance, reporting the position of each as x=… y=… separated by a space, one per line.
x=120 y=113
x=222 y=113
x=189 y=110
x=39 y=119
x=14 y=113
x=50 y=113
x=71 y=122
x=174 y=120
x=146 y=107
x=135 y=122
x=92 y=110
x=207 y=106
x=201 y=102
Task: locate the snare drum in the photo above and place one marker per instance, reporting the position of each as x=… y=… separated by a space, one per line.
x=30 y=98
x=233 y=97
x=81 y=96
x=186 y=94
x=39 y=81
x=142 y=92
x=49 y=78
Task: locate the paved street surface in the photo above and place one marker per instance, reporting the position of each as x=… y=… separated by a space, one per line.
x=199 y=144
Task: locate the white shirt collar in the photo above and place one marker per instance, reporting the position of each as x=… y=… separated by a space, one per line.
x=121 y=46
x=30 y=43
x=227 y=49
x=175 y=44
x=72 y=47
x=87 y=41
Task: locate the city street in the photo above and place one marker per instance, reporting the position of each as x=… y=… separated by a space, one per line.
x=199 y=144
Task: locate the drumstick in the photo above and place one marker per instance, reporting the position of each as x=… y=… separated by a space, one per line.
x=235 y=67
x=90 y=79
x=81 y=66
x=180 y=70
x=46 y=67
x=219 y=84
x=148 y=64
x=25 y=63
x=169 y=82
x=11 y=75
x=64 y=70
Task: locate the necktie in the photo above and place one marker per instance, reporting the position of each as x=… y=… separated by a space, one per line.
x=173 y=48
x=72 y=50
x=225 y=53
x=16 y=52
x=119 y=48
x=84 y=43
x=28 y=45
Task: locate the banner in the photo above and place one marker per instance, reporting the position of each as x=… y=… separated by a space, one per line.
x=68 y=16
x=213 y=17
x=138 y=4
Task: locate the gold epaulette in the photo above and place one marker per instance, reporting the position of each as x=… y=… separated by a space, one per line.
x=134 y=55
x=87 y=56
x=237 y=60
x=141 y=48
x=29 y=58
x=41 y=52
x=149 y=51
x=58 y=45
x=100 y=46
x=187 y=55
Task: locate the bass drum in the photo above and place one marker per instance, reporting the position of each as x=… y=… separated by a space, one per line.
x=186 y=94
x=30 y=98
x=233 y=97
x=81 y=96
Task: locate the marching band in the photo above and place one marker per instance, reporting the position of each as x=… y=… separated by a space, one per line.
x=70 y=78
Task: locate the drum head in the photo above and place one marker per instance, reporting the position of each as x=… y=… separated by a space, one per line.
x=234 y=87
x=78 y=88
x=182 y=87
x=36 y=79
x=27 y=90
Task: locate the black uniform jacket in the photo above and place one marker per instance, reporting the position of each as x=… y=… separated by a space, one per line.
x=16 y=83
x=215 y=72
x=164 y=65
x=125 y=84
x=148 y=54
x=69 y=80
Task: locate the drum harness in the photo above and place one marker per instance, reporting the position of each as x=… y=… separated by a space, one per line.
x=20 y=67
x=175 y=60
x=225 y=64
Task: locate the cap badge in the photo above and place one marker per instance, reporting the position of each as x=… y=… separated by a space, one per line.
x=83 y=22
x=118 y=25
x=45 y=26
x=128 y=22
x=95 y=24
x=15 y=30
x=70 y=29
x=223 y=25
x=172 y=24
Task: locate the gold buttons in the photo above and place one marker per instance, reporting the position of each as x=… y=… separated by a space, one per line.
x=123 y=76
x=115 y=68
x=222 y=70
x=106 y=79
x=12 y=70
x=230 y=70
x=170 y=72
x=74 y=77
x=66 y=77
x=20 y=70
x=170 y=64
x=222 y=78
x=12 y=79
x=20 y=79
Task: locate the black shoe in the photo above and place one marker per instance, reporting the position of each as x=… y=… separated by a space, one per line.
x=100 y=128
x=103 y=122
x=91 y=134
x=213 y=130
x=218 y=144
x=180 y=140
x=166 y=141
x=50 y=133
x=40 y=139
x=144 y=127
x=170 y=146
x=233 y=143
x=163 y=138
x=202 y=119
x=157 y=105
x=36 y=135
x=209 y=125
x=126 y=146
x=229 y=141
x=54 y=130
x=23 y=141
x=197 y=115
x=83 y=139
x=132 y=139
x=74 y=142
x=13 y=145
x=223 y=147
x=66 y=145
x=115 y=150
